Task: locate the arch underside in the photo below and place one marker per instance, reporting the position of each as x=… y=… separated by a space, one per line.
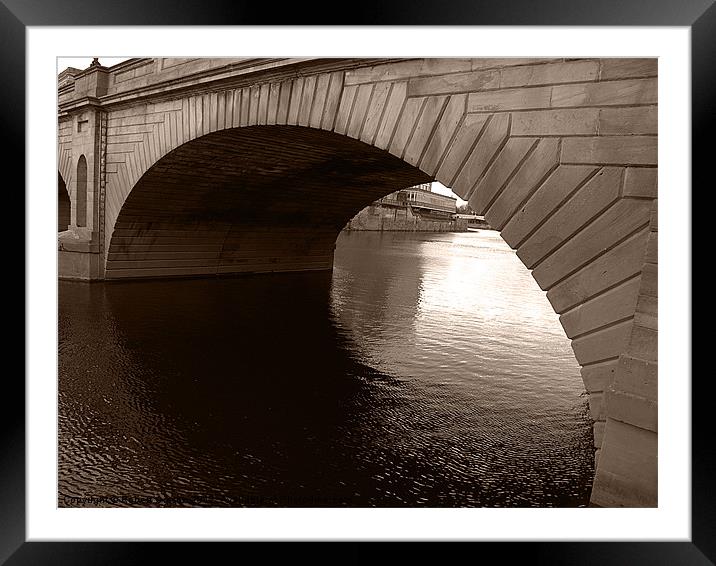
x=254 y=199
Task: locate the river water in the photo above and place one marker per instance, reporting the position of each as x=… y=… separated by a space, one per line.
x=427 y=370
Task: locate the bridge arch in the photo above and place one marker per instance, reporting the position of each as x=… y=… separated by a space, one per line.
x=251 y=199
x=64 y=205
x=560 y=156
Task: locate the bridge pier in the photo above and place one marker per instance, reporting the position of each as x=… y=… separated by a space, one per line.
x=82 y=137
x=78 y=264
x=79 y=258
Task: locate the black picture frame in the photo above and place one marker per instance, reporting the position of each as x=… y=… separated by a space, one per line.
x=16 y=15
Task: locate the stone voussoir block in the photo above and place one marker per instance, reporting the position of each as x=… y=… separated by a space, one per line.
x=632 y=409
x=610 y=150
x=550 y=73
x=636 y=376
x=611 y=93
x=641 y=182
x=614 y=305
x=628 y=467
x=561 y=122
x=628 y=121
x=603 y=344
x=619 y=68
x=599 y=376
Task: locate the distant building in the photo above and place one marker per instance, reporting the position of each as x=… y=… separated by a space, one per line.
x=475 y=221
x=422 y=199
x=416 y=208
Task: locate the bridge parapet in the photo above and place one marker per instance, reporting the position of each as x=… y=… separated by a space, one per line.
x=168 y=77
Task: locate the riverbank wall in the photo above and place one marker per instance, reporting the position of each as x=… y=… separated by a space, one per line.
x=402 y=219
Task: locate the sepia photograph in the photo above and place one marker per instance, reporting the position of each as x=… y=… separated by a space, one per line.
x=357 y=282
x=393 y=279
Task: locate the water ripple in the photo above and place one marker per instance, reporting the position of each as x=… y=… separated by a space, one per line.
x=428 y=370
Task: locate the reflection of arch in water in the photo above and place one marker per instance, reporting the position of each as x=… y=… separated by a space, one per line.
x=63 y=205
x=391 y=283
x=280 y=399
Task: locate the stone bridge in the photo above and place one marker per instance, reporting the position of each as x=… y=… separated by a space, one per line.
x=200 y=167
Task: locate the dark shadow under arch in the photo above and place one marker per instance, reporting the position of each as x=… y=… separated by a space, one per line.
x=253 y=199
x=63 y=205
